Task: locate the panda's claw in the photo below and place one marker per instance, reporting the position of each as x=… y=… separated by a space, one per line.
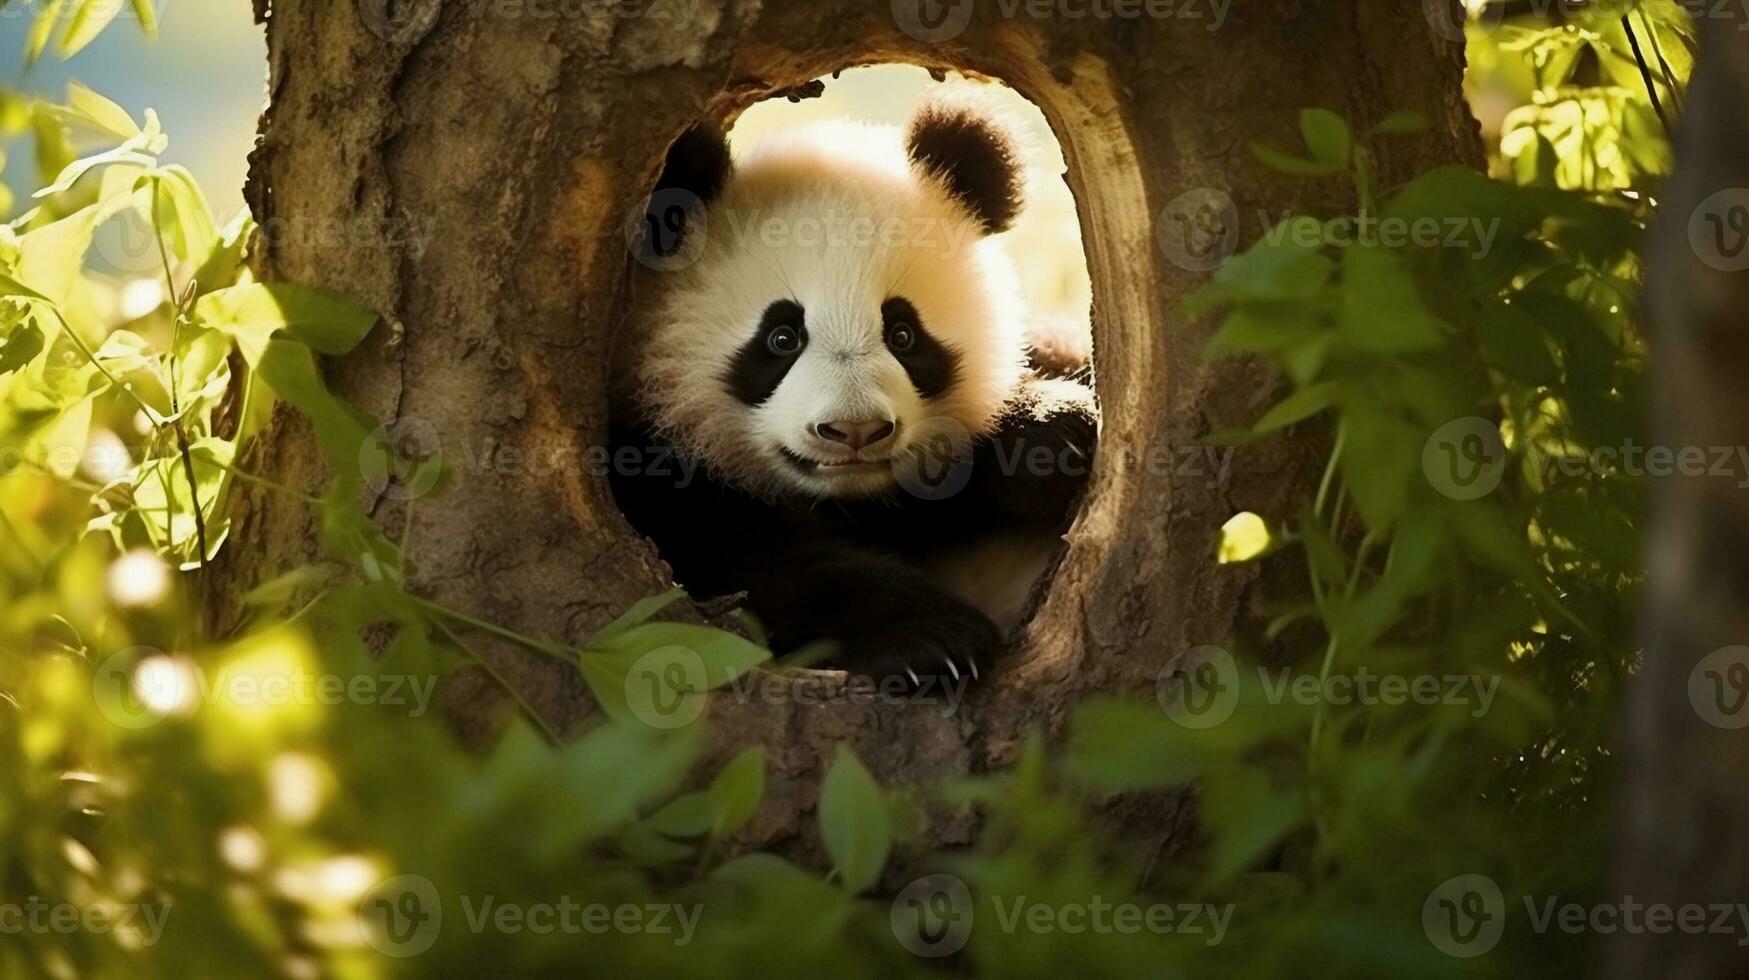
x=955 y=671
x=973 y=664
x=914 y=677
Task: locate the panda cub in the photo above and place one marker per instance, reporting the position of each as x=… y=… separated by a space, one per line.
x=838 y=354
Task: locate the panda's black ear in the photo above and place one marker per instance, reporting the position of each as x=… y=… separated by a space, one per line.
x=694 y=173
x=974 y=155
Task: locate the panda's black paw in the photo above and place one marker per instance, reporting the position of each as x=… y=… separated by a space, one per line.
x=943 y=650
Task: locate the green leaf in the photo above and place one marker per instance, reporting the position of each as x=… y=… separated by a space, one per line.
x=1514 y=342
x=737 y=790
x=853 y=821
x=1382 y=312
x=725 y=655
x=1381 y=458
x=1260 y=328
x=707 y=659
x=88 y=22
x=1285 y=266
x=166 y=505
x=22 y=346
x=86 y=109
x=40 y=29
x=326 y=322
x=1401 y=123
x=147 y=15
x=1287 y=163
x=1327 y=136
x=141 y=149
x=12 y=287
x=1302 y=404
x=289 y=368
x=203 y=367
x=648 y=848
x=283 y=588
x=181 y=214
x=51 y=256
x=226 y=259
x=638 y=613
x=687 y=815
x=1248 y=815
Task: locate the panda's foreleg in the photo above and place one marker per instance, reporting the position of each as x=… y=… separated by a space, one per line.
x=887 y=618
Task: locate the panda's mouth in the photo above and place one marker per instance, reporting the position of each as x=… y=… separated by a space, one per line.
x=835 y=467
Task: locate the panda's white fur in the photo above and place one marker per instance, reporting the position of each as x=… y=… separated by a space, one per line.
x=838 y=218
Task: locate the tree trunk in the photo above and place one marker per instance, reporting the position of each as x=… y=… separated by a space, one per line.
x=1687 y=748
x=479 y=159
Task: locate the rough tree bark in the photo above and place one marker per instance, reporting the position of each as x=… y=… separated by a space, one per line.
x=513 y=138
x=1686 y=801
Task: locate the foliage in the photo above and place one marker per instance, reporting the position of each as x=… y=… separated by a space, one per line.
x=284 y=838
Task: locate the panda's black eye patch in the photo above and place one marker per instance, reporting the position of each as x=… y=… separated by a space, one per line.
x=931 y=366
x=761 y=363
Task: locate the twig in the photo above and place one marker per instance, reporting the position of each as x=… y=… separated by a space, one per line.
x=1645 y=73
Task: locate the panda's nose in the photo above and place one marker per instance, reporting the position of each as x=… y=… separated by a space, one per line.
x=855 y=434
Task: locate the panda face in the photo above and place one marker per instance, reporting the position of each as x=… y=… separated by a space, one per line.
x=844 y=311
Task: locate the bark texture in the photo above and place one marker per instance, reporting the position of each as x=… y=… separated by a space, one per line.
x=483 y=158
x=1686 y=800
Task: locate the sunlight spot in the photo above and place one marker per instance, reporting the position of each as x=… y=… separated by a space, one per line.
x=294 y=786
x=336 y=882
x=80 y=857
x=344 y=880
x=1243 y=538
x=106 y=456
x=242 y=848
x=167 y=685
x=138 y=578
x=141 y=297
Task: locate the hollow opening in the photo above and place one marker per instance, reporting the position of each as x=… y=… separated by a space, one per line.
x=857 y=372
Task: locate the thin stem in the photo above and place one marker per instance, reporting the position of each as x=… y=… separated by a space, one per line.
x=175 y=383
x=193 y=491
x=1663 y=66
x=551 y=649
x=1645 y=72
x=406 y=534
x=170 y=291
x=67 y=328
x=527 y=708
x=1330 y=467
x=269 y=484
